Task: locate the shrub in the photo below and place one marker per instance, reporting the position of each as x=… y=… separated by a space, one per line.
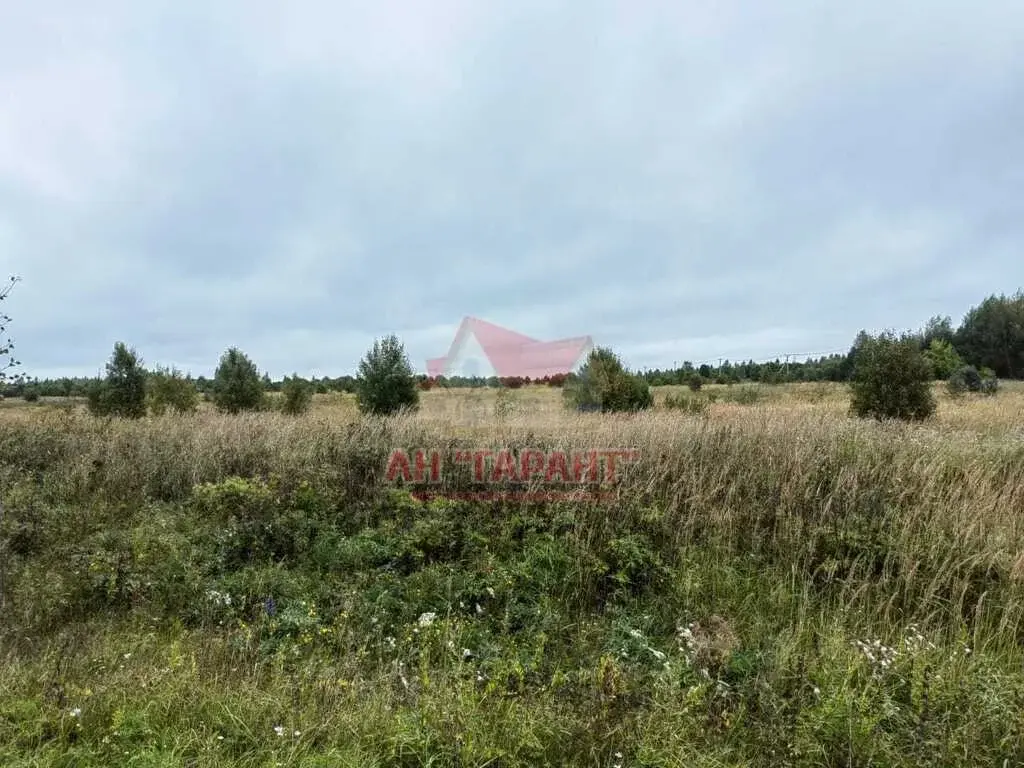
x=943 y=358
x=30 y=395
x=123 y=391
x=297 y=395
x=892 y=380
x=688 y=404
x=604 y=384
x=237 y=385
x=746 y=395
x=167 y=389
x=695 y=382
x=386 y=383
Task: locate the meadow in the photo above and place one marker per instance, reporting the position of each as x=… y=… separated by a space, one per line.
x=770 y=583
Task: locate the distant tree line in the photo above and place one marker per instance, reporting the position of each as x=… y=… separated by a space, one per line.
x=989 y=341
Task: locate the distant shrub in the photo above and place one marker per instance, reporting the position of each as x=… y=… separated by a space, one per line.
x=688 y=404
x=943 y=358
x=745 y=395
x=892 y=380
x=237 y=385
x=169 y=389
x=123 y=392
x=296 y=395
x=386 y=383
x=605 y=383
x=556 y=380
x=30 y=395
x=695 y=382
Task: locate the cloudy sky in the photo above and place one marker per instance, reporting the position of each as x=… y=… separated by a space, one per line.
x=681 y=180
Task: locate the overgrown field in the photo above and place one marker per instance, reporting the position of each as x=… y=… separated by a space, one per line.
x=771 y=583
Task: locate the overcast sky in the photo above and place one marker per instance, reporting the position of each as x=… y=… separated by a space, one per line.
x=681 y=180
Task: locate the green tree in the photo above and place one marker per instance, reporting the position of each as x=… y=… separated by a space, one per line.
x=167 y=388
x=938 y=328
x=7 y=360
x=296 y=394
x=386 y=383
x=943 y=358
x=604 y=384
x=992 y=336
x=892 y=379
x=237 y=385
x=123 y=392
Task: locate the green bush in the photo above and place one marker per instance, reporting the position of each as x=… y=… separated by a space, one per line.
x=695 y=382
x=603 y=384
x=30 y=395
x=892 y=380
x=237 y=385
x=943 y=358
x=297 y=395
x=688 y=404
x=123 y=392
x=386 y=383
x=745 y=395
x=167 y=389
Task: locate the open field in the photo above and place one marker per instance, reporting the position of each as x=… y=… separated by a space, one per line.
x=771 y=583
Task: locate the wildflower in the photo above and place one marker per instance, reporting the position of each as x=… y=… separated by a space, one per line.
x=297 y=734
x=270 y=606
x=76 y=712
x=279 y=730
x=426 y=619
x=636 y=633
x=466 y=654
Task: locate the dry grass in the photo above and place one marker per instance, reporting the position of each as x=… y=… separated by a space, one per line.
x=786 y=526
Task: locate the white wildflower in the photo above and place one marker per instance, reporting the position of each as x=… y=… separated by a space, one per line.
x=426 y=619
x=279 y=730
x=76 y=712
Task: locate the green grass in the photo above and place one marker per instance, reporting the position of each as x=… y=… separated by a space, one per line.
x=722 y=610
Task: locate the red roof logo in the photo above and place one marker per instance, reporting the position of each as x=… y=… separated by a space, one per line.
x=484 y=349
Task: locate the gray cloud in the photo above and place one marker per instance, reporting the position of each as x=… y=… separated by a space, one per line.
x=679 y=181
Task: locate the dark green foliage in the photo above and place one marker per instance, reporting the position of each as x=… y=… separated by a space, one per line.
x=968 y=379
x=892 y=379
x=30 y=394
x=695 y=382
x=169 y=389
x=386 y=383
x=296 y=395
x=992 y=335
x=237 y=385
x=123 y=392
x=7 y=360
x=604 y=384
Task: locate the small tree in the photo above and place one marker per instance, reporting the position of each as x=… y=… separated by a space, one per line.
x=603 y=384
x=7 y=360
x=943 y=358
x=237 y=385
x=167 y=389
x=386 y=383
x=892 y=379
x=123 y=392
x=297 y=395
